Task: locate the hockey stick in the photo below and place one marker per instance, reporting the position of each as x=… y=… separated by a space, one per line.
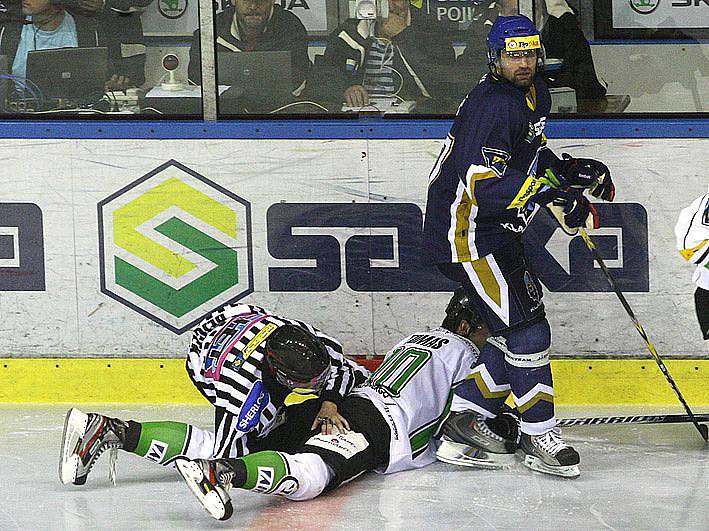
x=632 y=419
x=703 y=430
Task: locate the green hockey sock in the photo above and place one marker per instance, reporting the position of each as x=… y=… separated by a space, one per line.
x=260 y=472
x=161 y=441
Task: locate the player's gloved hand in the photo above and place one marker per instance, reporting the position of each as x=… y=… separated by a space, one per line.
x=589 y=174
x=328 y=417
x=572 y=211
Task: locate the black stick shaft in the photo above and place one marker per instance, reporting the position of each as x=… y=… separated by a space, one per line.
x=597 y=255
x=632 y=419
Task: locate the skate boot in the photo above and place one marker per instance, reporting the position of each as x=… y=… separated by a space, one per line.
x=469 y=439
x=549 y=453
x=210 y=482
x=86 y=437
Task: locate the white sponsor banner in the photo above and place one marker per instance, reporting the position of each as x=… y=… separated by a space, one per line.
x=312 y=13
x=668 y=14
x=180 y=17
x=170 y=18
x=141 y=237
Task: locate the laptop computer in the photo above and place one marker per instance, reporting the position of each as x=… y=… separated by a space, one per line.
x=263 y=79
x=76 y=74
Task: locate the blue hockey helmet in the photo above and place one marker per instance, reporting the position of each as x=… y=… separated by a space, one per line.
x=514 y=34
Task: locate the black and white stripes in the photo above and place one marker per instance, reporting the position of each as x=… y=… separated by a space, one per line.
x=379 y=73
x=225 y=363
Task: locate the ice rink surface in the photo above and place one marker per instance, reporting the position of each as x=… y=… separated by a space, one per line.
x=632 y=477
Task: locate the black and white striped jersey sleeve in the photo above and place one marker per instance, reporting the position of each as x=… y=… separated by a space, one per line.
x=345 y=375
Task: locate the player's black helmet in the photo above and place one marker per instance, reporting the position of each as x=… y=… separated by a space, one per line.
x=460 y=308
x=297 y=359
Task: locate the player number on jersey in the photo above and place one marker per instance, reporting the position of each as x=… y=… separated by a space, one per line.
x=398 y=370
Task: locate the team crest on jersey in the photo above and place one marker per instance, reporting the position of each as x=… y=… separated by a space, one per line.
x=536 y=129
x=496 y=160
x=532 y=289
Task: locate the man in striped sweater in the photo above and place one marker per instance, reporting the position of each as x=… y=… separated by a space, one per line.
x=395 y=56
x=245 y=361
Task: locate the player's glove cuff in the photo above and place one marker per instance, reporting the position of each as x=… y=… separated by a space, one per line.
x=573 y=211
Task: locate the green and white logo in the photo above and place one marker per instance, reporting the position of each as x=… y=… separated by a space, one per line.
x=172 y=9
x=174 y=246
x=644 y=7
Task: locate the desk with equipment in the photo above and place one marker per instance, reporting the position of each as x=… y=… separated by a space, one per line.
x=249 y=82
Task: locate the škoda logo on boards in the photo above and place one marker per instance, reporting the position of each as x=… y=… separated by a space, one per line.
x=174 y=246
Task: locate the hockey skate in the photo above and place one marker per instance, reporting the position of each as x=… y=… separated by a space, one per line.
x=549 y=453
x=210 y=482
x=86 y=437
x=470 y=440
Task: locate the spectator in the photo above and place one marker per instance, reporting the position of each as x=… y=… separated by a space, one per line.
x=384 y=57
x=692 y=232
x=120 y=27
x=564 y=39
x=257 y=25
x=472 y=63
x=50 y=27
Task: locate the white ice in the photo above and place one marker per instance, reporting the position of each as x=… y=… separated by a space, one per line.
x=632 y=477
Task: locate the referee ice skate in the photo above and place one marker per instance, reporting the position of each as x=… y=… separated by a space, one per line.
x=395 y=417
x=493 y=174
x=245 y=360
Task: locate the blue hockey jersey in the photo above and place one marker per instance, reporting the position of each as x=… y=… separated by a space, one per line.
x=480 y=188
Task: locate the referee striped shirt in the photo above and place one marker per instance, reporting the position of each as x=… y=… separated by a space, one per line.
x=226 y=360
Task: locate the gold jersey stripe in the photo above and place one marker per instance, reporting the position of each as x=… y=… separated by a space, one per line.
x=487 y=279
x=462 y=228
x=687 y=254
x=484 y=389
x=537 y=398
x=532 y=98
x=530 y=187
x=474 y=178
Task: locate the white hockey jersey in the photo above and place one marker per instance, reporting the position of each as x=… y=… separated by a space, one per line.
x=692 y=232
x=413 y=390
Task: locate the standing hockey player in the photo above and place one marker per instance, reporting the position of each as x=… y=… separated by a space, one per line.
x=692 y=232
x=491 y=177
x=393 y=419
x=245 y=361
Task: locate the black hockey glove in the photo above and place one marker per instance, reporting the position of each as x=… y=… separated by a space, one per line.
x=572 y=210
x=588 y=174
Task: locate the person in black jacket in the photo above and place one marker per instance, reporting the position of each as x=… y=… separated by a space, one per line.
x=119 y=25
x=393 y=56
x=257 y=25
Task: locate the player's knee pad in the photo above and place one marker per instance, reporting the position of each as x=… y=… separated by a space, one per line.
x=309 y=476
x=528 y=347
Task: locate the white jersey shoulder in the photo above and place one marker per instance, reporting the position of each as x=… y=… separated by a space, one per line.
x=692 y=234
x=413 y=389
